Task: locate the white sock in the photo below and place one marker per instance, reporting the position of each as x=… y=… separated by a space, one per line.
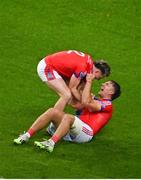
x=51 y=142
x=27 y=134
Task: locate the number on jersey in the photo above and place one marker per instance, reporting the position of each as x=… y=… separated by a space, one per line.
x=76 y=52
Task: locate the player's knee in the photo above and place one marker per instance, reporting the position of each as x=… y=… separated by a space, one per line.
x=52 y=111
x=48 y=112
x=68 y=118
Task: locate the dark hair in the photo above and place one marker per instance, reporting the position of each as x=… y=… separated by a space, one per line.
x=103 y=66
x=117 y=90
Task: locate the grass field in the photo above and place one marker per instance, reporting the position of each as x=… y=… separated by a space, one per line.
x=31 y=29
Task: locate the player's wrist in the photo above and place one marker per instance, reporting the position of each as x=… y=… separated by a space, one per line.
x=89 y=81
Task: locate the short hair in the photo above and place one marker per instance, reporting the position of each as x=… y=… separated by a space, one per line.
x=117 y=89
x=103 y=66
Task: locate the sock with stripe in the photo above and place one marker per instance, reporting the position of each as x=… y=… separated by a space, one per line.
x=53 y=140
x=30 y=132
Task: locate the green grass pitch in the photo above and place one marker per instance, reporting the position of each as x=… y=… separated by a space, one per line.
x=31 y=29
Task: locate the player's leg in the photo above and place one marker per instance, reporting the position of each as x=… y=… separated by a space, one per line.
x=78 y=132
x=40 y=123
x=55 y=82
x=61 y=131
x=60 y=87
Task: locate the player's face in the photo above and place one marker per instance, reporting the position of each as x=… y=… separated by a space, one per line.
x=106 y=89
x=98 y=75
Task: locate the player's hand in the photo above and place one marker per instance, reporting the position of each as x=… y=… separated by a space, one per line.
x=90 y=77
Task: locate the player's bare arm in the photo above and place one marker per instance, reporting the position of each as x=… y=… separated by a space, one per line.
x=73 y=84
x=93 y=106
x=74 y=102
x=86 y=94
x=87 y=98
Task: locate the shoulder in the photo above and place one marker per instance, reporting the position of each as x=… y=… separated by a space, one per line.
x=106 y=105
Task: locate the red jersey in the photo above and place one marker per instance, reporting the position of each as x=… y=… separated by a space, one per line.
x=96 y=120
x=67 y=63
